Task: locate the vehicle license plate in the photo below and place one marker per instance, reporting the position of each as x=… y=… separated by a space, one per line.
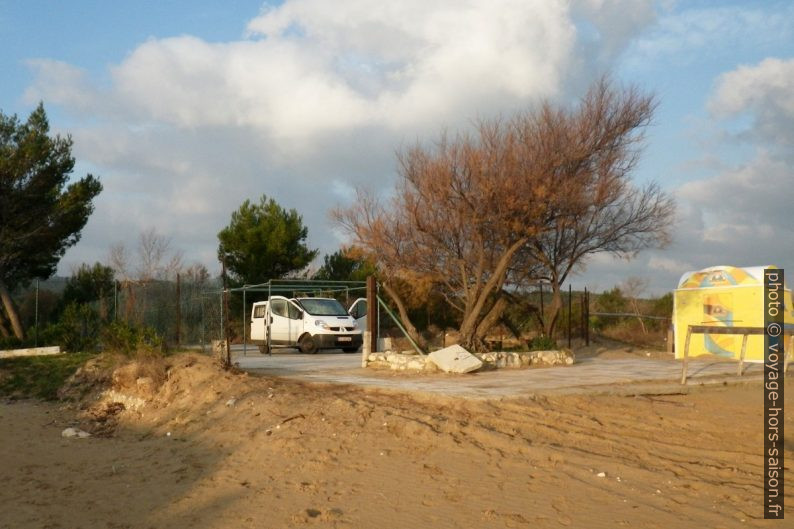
x=345 y=339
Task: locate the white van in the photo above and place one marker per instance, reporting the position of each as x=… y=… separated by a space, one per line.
x=309 y=324
x=359 y=311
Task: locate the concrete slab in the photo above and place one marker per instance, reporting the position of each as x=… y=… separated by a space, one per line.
x=33 y=351
x=590 y=375
x=455 y=359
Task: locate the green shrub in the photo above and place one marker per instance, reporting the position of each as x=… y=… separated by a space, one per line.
x=542 y=343
x=126 y=339
x=11 y=342
x=77 y=330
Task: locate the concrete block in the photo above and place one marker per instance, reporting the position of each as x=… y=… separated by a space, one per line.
x=34 y=351
x=385 y=344
x=455 y=359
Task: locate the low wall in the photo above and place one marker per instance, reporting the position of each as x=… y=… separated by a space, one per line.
x=35 y=351
x=495 y=360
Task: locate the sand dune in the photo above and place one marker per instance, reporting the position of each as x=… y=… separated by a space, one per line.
x=210 y=449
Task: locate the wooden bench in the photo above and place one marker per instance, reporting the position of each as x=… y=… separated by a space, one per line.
x=744 y=331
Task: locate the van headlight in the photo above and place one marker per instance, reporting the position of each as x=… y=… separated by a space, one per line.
x=321 y=324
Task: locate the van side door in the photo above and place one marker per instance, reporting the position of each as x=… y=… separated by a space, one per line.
x=258 y=323
x=359 y=311
x=295 y=315
x=280 y=324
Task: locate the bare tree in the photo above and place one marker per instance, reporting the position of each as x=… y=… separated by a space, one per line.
x=157 y=259
x=633 y=288
x=154 y=259
x=524 y=199
x=197 y=273
x=461 y=212
x=119 y=260
x=600 y=210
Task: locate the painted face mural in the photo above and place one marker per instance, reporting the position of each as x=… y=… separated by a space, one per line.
x=718 y=311
x=718 y=278
x=719 y=297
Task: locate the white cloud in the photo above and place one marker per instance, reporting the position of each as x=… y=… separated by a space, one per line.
x=315 y=98
x=766 y=91
x=667 y=264
x=760 y=192
x=61 y=84
x=740 y=214
x=310 y=67
x=685 y=35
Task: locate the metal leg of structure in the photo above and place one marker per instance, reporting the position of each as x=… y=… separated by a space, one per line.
x=686 y=355
x=741 y=356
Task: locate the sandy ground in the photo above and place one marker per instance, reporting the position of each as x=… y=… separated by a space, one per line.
x=290 y=454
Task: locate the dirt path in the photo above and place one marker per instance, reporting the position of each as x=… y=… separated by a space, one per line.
x=287 y=454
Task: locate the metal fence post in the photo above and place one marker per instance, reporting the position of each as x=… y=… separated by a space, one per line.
x=227 y=360
x=178 y=309
x=37 y=313
x=372 y=315
x=203 y=340
x=569 y=314
x=586 y=317
x=542 y=310
x=269 y=316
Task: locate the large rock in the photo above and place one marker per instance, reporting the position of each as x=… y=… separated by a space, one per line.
x=455 y=359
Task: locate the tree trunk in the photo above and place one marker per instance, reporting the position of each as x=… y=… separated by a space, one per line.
x=3 y=329
x=513 y=328
x=11 y=311
x=490 y=319
x=637 y=312
x=472 y=316
x=554 y=310
x=409 y=327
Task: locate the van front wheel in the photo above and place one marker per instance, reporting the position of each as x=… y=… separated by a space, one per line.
x=307 y=345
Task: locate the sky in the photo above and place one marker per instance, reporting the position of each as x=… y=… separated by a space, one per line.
x=186 y=109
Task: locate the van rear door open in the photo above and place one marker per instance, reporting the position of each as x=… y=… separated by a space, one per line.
x=258 y=323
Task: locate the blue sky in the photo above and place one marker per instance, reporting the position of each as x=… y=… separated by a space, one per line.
x=185 y=109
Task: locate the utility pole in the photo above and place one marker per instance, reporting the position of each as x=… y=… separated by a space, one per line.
x=372 y=313
x=227 y=360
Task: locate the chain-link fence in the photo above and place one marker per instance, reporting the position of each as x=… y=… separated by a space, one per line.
x=183 y=313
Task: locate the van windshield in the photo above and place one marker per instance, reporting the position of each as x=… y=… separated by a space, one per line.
x=322 y=307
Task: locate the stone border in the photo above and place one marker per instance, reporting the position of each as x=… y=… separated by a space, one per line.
x=494 y=360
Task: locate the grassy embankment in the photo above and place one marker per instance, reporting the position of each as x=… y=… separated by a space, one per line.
x=38 y=376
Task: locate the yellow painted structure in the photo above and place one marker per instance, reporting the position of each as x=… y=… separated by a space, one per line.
x=723 y=296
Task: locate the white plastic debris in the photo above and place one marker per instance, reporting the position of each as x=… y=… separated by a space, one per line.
x=75 y=432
